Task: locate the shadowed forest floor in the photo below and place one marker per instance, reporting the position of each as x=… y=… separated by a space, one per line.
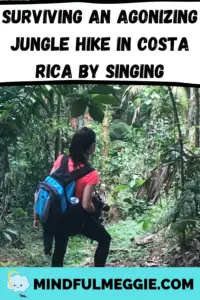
x=130 y=247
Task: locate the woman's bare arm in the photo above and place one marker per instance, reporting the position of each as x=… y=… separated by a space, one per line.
x=53 y=170
x=87 y=198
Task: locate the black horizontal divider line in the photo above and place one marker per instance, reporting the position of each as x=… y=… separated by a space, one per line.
x=159 y=83
x=25 y=2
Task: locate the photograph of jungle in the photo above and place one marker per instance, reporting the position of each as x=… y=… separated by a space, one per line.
x=141 y=145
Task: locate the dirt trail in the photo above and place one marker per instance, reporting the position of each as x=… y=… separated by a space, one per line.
x=160 y=253
x=153 y=250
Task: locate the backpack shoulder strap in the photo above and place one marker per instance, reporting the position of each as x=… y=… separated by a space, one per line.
x=77 y=174
x=64 y=163
x=82 y=172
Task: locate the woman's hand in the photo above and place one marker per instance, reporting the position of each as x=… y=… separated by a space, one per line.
x=36 y=224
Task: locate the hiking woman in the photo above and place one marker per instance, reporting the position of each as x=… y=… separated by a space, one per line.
x=81 y=220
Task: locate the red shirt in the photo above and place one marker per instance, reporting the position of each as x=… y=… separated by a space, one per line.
x=91 y=178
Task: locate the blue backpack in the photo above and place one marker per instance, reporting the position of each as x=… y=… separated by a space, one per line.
x=52 y=196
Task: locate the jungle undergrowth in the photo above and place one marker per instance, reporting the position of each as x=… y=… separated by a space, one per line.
x=130 y=246
x=80 y=249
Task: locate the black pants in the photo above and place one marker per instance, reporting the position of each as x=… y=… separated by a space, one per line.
x=91 y=229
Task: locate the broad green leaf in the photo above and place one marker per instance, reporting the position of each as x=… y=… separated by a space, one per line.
x=7 y=236
x=102 y=106
x=79 y=107
x=128 y=200
x=140 y=183
x=145 y=225
x=140 y=221
x=96 y=113
x=4 y=115
x=102 y=89
x=121 y=187
x=148 y=102
x=99 y=105
x=7 y=105
x=94 y=95
x=104 y=99
x=132 y=183
x=12 y=231
x=117 y=87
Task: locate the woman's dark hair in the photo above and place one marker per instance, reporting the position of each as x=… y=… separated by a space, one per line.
x=80 y=144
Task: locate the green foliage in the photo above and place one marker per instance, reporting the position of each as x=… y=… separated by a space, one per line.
x=117 y=145
x=104 y=99
x=102 y=89
x=80 y=249
x=184 y=215
x=96 y=113
x=119 y=131
x=79 y=107
x=95 y=100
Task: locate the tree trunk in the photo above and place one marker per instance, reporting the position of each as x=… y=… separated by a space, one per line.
x=4 y=179
x=80 y=122
x=187 y=113
x=105 y=133
x=47 y=151
x=191 y=117
x=180 y=138
x=191 y=110
x=57 y=139
x=63 y=146
x=197 y=133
